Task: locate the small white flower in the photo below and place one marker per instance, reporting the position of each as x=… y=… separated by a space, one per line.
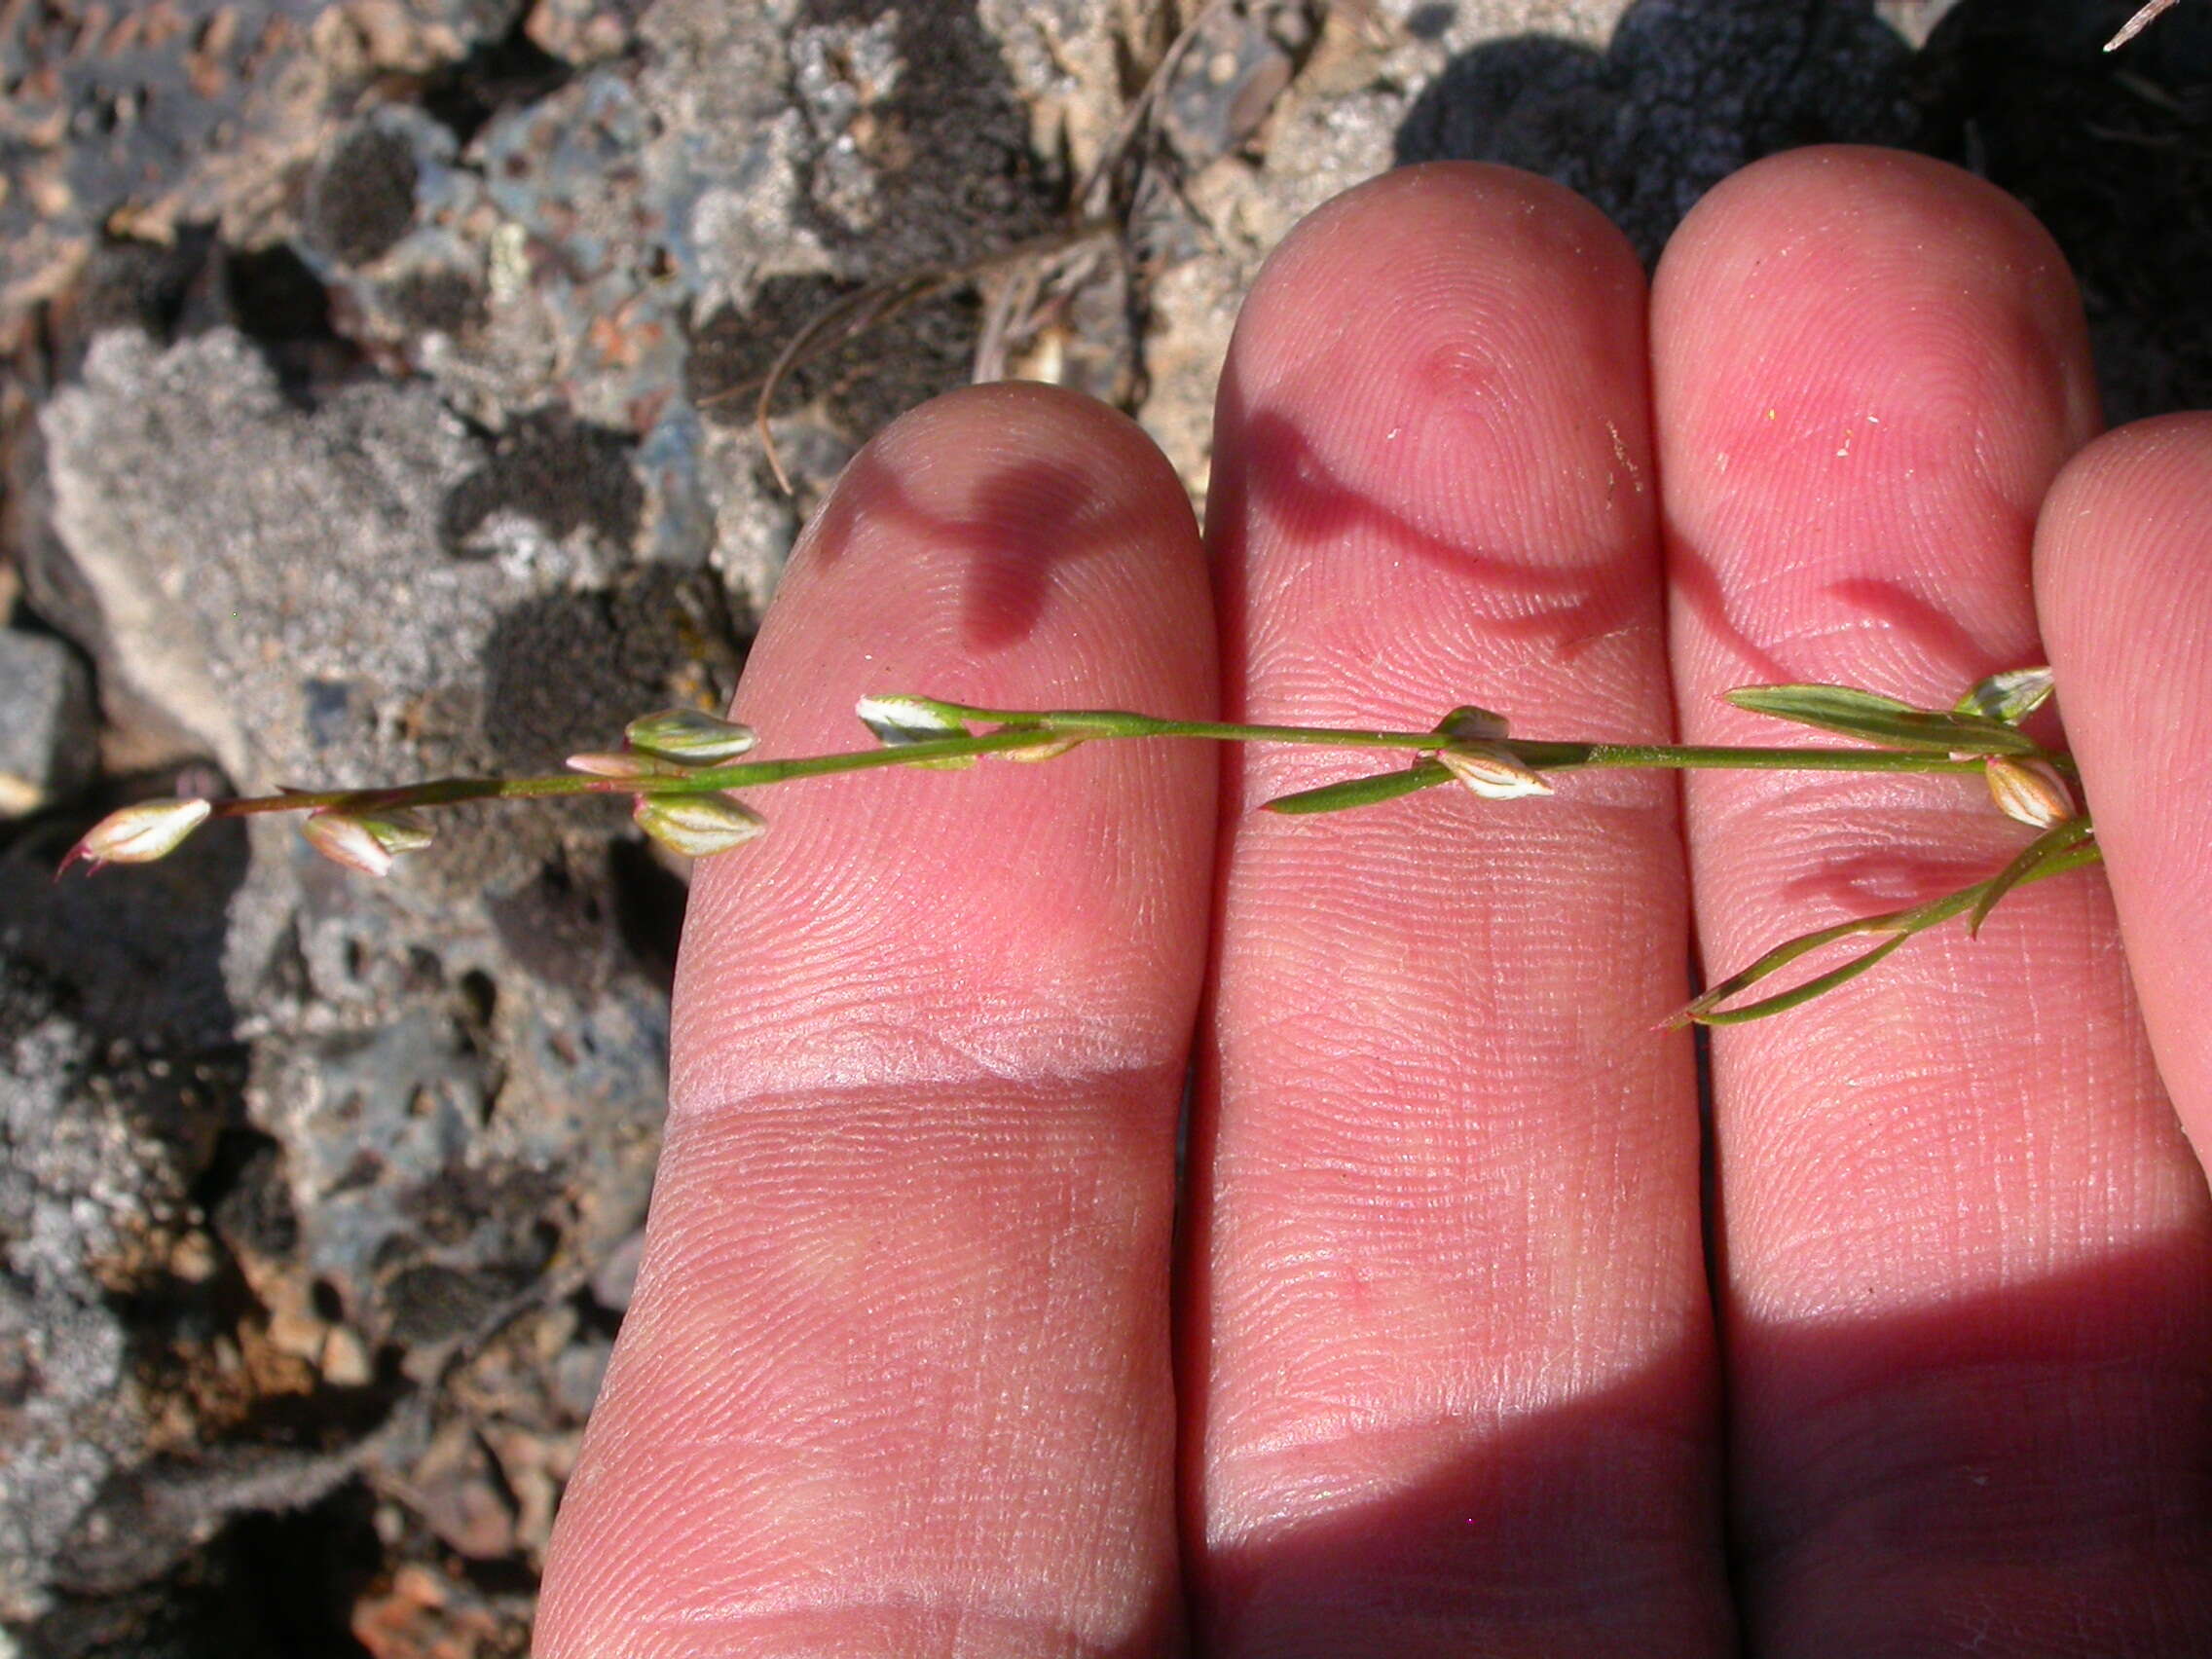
x=1492 y=772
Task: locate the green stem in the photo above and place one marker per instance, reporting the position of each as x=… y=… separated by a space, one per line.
x=1022 y=728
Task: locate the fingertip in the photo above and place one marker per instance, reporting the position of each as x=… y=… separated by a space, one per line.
x=2123 y=585
x=1893 y=280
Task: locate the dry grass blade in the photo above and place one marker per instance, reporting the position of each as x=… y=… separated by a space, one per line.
x=2136 y=25
x=876 y=303
x=1138 y=115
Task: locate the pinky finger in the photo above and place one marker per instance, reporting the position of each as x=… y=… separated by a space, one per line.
x=2123 y=584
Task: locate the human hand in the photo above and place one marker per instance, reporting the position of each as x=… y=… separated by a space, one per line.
x=1447 y=1375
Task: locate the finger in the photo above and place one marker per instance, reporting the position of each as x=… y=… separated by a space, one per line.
x=2123 y=583
x=897 y=1377
x=1965 y=1254
x=1453 y=1362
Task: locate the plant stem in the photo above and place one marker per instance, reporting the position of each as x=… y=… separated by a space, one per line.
x=1023 y=729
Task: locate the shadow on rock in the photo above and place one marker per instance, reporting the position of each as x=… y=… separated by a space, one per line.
x=2114 y=151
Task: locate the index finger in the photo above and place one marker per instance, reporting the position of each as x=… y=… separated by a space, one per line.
x=896 y=1380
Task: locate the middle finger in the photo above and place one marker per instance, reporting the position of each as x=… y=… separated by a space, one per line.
x=1453 y=1370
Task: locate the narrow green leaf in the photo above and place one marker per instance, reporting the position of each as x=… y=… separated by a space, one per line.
x=2054 y=843
x=1784 y=953
x=1881 y=719
x=2011 y=697
x=1360 y=791
x=1802 y=994
x=1706 y=1009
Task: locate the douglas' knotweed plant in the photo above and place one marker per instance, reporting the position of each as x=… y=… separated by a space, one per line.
x=681 y=768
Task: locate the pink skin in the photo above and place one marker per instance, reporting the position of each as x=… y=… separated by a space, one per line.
x=1447 y=1375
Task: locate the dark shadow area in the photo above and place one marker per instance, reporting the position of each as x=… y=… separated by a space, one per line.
x=271 y=1586
x=2113 y=152
x=172 y=291
x=2024 y=1471
x=499 y=75
x=648 y=909
x=139 y=954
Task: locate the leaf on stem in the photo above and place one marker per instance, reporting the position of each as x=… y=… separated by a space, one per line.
x=1359 y=791
x=1881 y=719
x=1901 y=925
x=2011 y=697
x=2061 y=838
x=1706 y=1009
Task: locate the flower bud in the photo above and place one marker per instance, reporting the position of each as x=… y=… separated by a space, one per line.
x=896 y=719
x=2030 y=790
x=1469 y=724
x=690 y=737
x=1492 y=772
x=697 y=825
x=138 y=834
x=365 y=842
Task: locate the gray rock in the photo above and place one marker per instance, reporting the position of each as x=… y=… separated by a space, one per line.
x=100 y=1147
x=273 y=578
x=49 y=744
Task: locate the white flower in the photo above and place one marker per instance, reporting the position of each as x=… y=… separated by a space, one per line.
x=1492 y=772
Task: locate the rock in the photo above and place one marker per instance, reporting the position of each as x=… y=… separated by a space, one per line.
x=615 y=1277
x=99 y=1149
x=49 y=744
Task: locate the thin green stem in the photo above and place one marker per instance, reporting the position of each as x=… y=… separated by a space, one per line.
x=1023 y=728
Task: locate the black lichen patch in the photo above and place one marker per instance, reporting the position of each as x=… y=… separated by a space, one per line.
x=431 y=1303
x=361 y=200
x=860 y=386
x=441 y=302
x=558 y=471
x=564 y=672
x=2114 y=152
